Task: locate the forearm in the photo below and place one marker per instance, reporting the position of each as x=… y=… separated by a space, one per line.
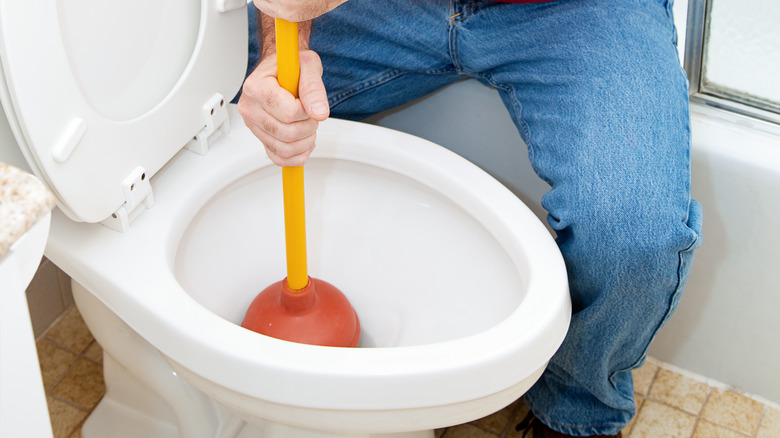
x=267 y=35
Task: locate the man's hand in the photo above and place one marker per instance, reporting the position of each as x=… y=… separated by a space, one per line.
x=286 y=126
x=296 y=10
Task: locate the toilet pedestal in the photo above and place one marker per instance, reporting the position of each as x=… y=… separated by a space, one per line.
x=152 y=400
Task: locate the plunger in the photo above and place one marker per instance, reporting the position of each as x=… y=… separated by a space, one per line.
x=299 y=308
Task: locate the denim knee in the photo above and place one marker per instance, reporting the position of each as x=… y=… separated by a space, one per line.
x=622 y=254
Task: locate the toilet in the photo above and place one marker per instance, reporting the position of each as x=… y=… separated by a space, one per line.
x=170 y=222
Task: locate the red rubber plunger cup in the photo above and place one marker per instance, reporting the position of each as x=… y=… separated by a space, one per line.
x=319 y=314
x=299 y=308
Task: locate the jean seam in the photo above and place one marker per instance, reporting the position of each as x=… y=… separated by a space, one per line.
x=670 y=309
x=674 y=298
x=453 y=46
x=680 y=267
x=517 y=117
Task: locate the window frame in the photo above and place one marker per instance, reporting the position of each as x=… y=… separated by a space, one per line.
x=694 y=54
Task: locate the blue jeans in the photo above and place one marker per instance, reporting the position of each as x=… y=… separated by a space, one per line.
x=596 y=90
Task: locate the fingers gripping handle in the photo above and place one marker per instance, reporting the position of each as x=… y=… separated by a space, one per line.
x=288 y=67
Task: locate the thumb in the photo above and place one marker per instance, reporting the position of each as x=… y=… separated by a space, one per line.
x=311 y=89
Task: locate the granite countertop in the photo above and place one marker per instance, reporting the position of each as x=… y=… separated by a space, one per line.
x=23 y=202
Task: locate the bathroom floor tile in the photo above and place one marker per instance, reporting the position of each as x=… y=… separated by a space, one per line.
x=83 y=385
x=64 y=417
x=54 y=362
x=705 y=429
x=679 y=391
x=733 y=410
x=70 y=332
x=94 y=352
x=770 y=424
x=659 y=420
x=643 y=377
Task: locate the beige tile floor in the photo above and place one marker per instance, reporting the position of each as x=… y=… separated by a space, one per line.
x=671 y=403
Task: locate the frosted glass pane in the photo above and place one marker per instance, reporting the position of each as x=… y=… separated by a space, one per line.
x=741 y=58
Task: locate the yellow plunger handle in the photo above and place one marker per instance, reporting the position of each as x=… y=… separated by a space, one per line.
x=288 y=67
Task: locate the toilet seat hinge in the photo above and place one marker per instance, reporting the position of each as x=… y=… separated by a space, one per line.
x=138 y=196
x=217 y=123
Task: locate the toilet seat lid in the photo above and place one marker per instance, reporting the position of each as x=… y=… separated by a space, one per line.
x=95 y=91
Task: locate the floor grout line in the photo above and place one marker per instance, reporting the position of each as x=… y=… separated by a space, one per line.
x=699 y=414
x=761 y=419
x=70 y=403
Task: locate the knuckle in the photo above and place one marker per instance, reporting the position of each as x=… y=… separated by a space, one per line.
x=288 y=113
x=244 y=108
x=251 y=87
x=268 y=126
x=309 y=55
x=269 y=101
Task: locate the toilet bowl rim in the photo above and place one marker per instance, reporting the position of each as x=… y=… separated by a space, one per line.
x=353 y=368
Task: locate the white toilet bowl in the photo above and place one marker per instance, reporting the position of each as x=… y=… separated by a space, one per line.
x=461 y=291
x=170 y=222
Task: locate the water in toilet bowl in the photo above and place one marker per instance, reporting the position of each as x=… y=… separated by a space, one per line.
x=412 y=264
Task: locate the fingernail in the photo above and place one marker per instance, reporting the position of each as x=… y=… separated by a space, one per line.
x=319 y=109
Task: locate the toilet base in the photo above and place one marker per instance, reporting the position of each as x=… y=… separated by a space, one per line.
x=112 y=417
x=152 y=396
x=130 y=410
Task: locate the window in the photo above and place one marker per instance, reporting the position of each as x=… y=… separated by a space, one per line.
x=733 y=56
